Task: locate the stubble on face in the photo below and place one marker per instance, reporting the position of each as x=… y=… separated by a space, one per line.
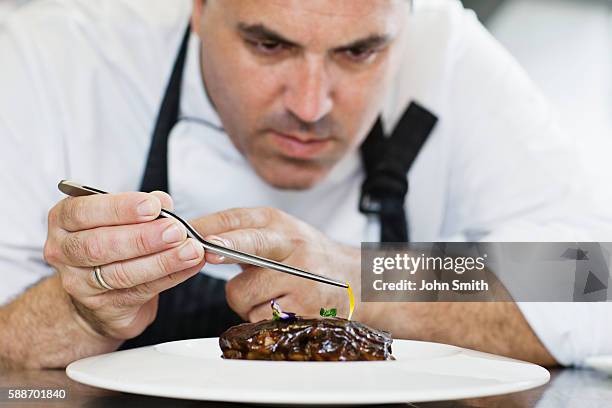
x=292 y=94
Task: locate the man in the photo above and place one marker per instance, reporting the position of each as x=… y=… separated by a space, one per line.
x=265 y=109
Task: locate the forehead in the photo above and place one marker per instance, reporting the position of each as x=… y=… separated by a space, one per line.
x=310 y=20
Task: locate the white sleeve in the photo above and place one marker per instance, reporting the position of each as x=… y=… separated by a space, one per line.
x=515 y=177
x=30 y=167
x=83 y=72
x=571 y=331
x=8 y=6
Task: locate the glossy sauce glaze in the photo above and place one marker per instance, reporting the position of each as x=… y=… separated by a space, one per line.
x=325 y=339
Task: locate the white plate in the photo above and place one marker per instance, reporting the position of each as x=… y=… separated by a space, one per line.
x=193 y=369
x=601 y=363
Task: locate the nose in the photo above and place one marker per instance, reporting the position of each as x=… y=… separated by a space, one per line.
x=308 y=91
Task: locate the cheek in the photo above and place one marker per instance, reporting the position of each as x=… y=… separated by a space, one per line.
x=358 y=102
x=241 y=91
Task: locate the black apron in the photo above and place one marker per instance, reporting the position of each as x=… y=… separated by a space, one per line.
x=197 y=308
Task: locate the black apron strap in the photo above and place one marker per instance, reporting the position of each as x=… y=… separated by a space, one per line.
x=196 y=308
x=387 y=161
x=156 y=171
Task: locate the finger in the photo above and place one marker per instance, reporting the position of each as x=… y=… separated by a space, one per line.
x=105 y=245
x=80 y=213
x=166 y=200
x=81 y=283
x=263 y=311
x=234 y=219
x=128 y=274
x=145 y=292
x=262 y=242
x=253 y=287
x=259 y=313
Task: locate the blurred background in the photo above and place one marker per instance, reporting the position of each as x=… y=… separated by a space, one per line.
x=7 y=6
x=566 y=47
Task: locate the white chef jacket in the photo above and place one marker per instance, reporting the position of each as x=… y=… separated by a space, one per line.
x=82 y=83
x=8 y=6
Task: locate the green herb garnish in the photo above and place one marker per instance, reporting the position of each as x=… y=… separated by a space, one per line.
x=328 y=312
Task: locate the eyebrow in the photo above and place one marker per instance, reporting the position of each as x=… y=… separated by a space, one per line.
x=371 y=42
x=262 y=32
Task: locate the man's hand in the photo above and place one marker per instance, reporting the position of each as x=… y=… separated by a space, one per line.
x=491 y=327
x=139 y=257
x=272 y=234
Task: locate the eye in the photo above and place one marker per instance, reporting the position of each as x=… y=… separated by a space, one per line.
x=267 y=47
x=359 y=54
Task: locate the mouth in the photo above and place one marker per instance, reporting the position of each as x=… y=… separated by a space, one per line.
x=303 y=148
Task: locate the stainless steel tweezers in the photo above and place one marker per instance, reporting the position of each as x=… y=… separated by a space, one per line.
x=77 y=190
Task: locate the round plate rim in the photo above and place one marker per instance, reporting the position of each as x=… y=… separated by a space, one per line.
x=274 y=397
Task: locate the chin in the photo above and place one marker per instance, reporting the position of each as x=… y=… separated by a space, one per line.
x=290 y=175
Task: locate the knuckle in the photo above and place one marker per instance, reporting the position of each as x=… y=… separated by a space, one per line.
x=261 y=216
x=259 y=282
x=114 y=208
x=72 y=248
x=92 y=249
x=164 y=263
x=141 y=243
x=137 y=295
x=229 y=220
x=146 y=289
x=111 y=242
x=232 y=292
x=298 y=241
x=297 y=299
x=120 y=277
x=52 y=215
x=258 y=241
x=272 y=214
x=74 y=212
x=173 y=278
x=51 y=252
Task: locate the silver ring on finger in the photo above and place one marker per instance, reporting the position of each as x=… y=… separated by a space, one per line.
x=97 y=272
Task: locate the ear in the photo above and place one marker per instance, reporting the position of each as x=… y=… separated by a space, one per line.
x=196 y=15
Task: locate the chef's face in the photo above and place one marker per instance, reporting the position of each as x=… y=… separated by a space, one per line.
x=297 y=84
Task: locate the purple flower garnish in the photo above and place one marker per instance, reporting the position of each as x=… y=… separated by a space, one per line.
x=278 y=314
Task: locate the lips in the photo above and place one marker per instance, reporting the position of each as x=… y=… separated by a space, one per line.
x=300 y=147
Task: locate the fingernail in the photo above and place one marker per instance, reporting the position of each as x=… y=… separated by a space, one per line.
x=146 y=208
x=215 y=258
x=172 y=234
x=219 y=241
x=189 y=251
